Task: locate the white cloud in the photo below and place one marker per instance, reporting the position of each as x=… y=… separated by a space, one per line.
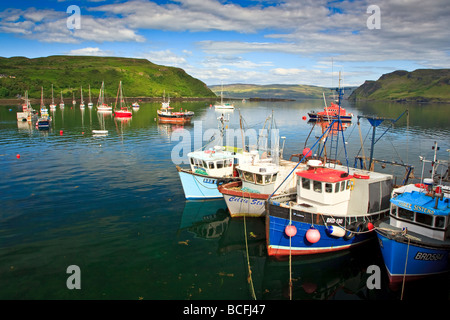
x=90 y=51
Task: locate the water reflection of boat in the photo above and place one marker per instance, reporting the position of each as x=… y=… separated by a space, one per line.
x=207 y=219
x=337 y=275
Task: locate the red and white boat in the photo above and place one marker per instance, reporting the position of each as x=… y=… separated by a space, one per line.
x=124 y=111
x=167 y=116
x=333 y=112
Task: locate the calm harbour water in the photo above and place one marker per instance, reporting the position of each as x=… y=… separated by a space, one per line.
x=114 y=206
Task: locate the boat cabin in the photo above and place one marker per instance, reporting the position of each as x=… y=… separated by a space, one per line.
x=258 y=178
x=216 y=162
x=421 y=213
x=325 y=189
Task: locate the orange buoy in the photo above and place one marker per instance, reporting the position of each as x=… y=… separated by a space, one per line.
x=312 y=235
x=290 y=230
x=18 y=156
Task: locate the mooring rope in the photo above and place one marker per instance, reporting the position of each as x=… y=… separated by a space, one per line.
x=404 y=273
x=250 y=280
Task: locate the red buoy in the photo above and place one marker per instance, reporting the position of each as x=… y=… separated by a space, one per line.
x=304 y=117
x=61 y=132
x=370 y=226
x=290 y=230
x=18 y=156
x=312 y=235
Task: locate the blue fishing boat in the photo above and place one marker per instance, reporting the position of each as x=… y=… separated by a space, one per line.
x=210 y=167
x=415 y=238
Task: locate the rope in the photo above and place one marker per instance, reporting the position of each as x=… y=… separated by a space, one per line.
x=248 y=263
x=290 y=255
x=404 y=273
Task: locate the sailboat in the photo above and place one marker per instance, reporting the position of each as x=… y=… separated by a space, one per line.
x=101 y=105
x=61 y=104
x=82 y=101
x=123 y=112
x=52 y=105
x=90 y=104
x=222 y=105
x=44 y=121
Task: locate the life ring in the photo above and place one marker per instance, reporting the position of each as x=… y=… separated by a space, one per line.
x=361 y=176
x=421 y=186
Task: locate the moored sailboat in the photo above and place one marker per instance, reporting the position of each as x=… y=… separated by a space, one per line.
x=123 y=111
x=101 y=105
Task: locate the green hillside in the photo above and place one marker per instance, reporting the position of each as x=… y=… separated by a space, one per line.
x=422 y=85
x=272 y=91
x=140 y=77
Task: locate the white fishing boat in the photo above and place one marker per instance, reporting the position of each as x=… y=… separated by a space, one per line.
x=43 y=122
x=27 y=113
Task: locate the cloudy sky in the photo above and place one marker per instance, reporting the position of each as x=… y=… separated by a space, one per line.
x=239 y=41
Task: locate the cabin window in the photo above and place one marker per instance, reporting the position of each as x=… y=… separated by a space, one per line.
x=425 y=219
x=204 y=164
x=267 y=178
x=219 y=164
x=228 y=162
x=274 y=177
x=342 y=185
x=328 y=188
x=405 y=214
x=192 y=160
x=348 y=184
x=211 y=165
x=336 y=189
x=305 y=183
x=248 y=176
x=259 y=179
x=317 y=186
x=439 y=222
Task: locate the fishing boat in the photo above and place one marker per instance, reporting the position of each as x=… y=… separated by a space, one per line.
x=90 y=104
x=260 y=177
x=82 y=105
x=27 y=113
x=123 y=111
x=223 y=105
x=332 y=112
x=43 y=122
x=210 y=167
x=52 y=105
x=61 y=104
x=101 y=105
x=334 y=206
x=165 y=115
x=415 y=239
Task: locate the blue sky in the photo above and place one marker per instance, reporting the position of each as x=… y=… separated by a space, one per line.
x=240 y=41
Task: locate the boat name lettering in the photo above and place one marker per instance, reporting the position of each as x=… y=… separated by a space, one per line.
x=243 y=200
x=416 y=207
x=211 y=181
x=429 y=256
x=333 y=220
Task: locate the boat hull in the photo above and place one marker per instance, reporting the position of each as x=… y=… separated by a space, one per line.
x=318 y=117
x=279 y=244
x=198 y=186
x=242 y=203
x=420 y=261
x=122 y=114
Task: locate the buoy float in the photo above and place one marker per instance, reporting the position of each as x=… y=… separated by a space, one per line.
x=370 y=226
x=290 y=230
x=335 y=231
x=307 y=152
x=18 y=156
x=312 y=235
x=61 y=132
x=304 y=117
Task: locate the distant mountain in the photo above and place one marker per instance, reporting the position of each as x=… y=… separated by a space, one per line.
x=272 y=91
x=422 y=85
x=140 y=77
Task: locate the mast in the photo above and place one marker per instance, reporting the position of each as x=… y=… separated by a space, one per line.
x=53 y=102
x=42 y=96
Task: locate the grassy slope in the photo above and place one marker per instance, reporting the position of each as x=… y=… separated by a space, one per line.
x=271 y=91
x=140 y=77
x=419 y=85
